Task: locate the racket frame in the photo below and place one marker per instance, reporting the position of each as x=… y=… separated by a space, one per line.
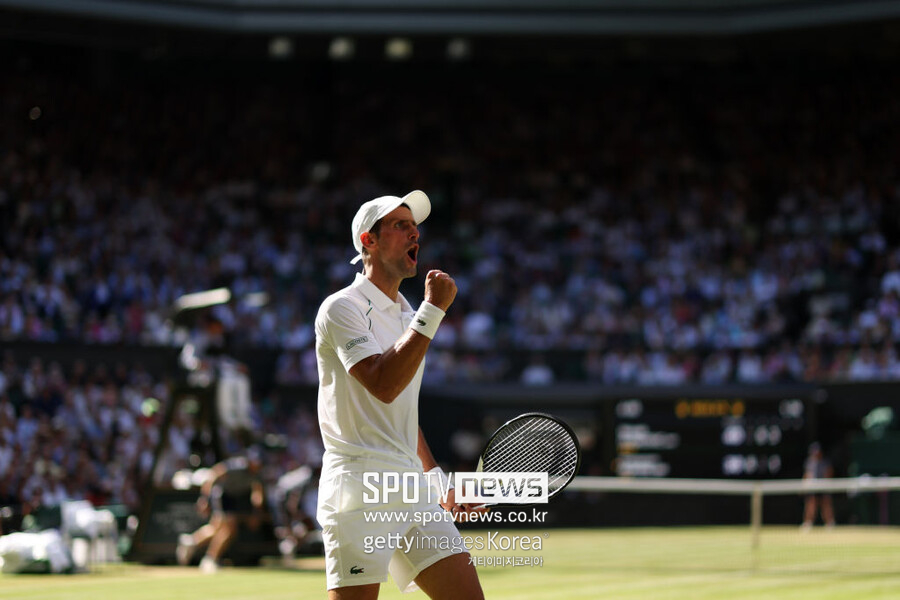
x=557 y=420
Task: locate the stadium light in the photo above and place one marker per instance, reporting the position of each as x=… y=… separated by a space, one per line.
x=459 y=49
x=398 y=49
x=342 y=48
x=281 y=47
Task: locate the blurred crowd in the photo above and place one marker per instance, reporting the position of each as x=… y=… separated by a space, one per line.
x=74 y=436
x=90 y=432
x=691 y=226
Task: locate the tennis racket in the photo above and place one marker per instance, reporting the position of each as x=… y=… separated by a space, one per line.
x=534 y=442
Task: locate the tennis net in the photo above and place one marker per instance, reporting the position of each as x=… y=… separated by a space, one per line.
x=753 y=525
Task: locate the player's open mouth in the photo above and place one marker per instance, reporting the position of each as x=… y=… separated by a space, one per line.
x=412 y=253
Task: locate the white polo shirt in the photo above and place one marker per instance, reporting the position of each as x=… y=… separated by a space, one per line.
x=360 y=431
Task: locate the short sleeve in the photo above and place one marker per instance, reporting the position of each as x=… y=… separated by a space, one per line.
x=343 y=326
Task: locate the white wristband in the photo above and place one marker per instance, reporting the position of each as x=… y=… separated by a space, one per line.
x=427 y=319
x=440 y=478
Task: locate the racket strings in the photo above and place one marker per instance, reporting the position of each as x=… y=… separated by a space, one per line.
x=557 y=475
x=536 y=444
x=507 y=448
x=559 y=467
x=543 y=448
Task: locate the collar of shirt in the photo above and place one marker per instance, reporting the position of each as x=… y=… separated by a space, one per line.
x=378 y=298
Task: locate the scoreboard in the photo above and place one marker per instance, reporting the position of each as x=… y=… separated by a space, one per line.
x=705 y=437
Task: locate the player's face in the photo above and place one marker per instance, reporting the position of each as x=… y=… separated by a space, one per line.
x=397 y=247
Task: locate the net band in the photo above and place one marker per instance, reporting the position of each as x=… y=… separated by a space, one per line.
x=724 y=486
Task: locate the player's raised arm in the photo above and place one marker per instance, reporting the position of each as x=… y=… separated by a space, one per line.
x=386 y=375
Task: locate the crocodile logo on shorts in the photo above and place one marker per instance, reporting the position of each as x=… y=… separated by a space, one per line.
x=354 y=570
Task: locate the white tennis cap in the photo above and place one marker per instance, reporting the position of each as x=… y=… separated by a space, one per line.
x=375 y=209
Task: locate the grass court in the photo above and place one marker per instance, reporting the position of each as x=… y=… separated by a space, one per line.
x=646 y=563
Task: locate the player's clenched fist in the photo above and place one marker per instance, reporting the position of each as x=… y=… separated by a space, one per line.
x=440 y=289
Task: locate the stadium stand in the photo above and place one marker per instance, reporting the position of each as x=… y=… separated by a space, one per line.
x=616 y=220
x=90 y=434
x=715 y=224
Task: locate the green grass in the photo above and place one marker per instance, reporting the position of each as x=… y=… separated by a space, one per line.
x=665 y=563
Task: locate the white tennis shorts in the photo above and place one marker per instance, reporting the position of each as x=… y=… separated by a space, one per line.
x=398 y=538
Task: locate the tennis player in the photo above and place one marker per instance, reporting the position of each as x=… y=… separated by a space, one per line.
x=233 y=495
x=370 y=350
x=817 y=467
